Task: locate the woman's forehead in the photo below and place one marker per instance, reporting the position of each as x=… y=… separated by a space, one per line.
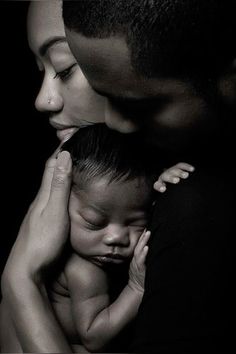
x=44 y=22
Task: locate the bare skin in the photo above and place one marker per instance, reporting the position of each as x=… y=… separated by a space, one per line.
x=43 y=228
x=42 y=333
x=65 y=94
x=96 y=320
x=107 y=221
x=25 y=273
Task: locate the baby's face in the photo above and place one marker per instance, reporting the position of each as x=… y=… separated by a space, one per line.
x=107 y=219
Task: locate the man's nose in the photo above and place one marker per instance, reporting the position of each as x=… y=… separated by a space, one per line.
x=117 y=120
x=117 y=235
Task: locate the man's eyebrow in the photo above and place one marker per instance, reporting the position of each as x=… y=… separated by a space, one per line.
x=47 y=44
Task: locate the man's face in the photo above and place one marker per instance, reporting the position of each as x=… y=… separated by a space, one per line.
x=167 y=109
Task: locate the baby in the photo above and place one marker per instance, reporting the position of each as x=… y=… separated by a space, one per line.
x=99 y=288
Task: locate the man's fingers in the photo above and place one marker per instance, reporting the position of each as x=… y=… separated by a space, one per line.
x=61 y=181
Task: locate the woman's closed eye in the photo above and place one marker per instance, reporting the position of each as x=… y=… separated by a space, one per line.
x=66 y=73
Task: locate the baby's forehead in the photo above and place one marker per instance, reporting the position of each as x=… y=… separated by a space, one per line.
x=132 y=193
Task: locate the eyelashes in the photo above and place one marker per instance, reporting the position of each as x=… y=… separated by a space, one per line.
x=66 y=73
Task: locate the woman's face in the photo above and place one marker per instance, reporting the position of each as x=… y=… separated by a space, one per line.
x=65 y=93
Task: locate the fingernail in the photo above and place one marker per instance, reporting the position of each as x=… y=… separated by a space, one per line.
x=192 y=168
x=162 y=189
x=176 y=180
x=64 y=160
x=185 y=174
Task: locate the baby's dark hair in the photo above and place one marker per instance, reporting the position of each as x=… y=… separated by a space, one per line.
x=162 y=35
x=98 y=151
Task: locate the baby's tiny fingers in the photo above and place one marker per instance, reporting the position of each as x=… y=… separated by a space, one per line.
x=176 y=173
x=185 y=166
x=170 y=176
x=160 y=186
x=142 y=243
x=141 y=258
x=143 y=255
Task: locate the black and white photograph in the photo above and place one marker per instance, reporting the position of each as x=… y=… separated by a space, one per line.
x=118 y=176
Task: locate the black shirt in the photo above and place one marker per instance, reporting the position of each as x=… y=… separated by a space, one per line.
x=189 y=300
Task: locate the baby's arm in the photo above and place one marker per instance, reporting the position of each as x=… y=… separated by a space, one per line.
x=97 y=321
x=173 y=175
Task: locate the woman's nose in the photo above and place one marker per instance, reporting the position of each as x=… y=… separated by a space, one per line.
x=49 y=98
x=117 y=236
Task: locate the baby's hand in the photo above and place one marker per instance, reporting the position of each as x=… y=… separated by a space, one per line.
x=173 y=175
x=137 y=269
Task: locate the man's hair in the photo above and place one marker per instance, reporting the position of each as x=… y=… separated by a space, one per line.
x=98 y=151
x=162 y=35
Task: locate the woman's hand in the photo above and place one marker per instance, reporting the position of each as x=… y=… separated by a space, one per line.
x=40 y=242
x=44 y=230
x=173 y=175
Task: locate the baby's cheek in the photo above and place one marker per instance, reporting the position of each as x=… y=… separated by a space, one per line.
x=136 y=236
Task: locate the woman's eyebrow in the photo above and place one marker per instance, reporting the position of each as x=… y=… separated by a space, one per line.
x=48 y=43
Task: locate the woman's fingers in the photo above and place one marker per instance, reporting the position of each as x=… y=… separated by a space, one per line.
x=45 y=188
x=60 y=184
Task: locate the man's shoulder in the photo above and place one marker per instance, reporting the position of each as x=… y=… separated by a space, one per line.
x=205 y=187
x=202 y=205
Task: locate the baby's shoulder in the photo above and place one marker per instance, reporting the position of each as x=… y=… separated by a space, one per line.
x=83 y=272
x=75 y=263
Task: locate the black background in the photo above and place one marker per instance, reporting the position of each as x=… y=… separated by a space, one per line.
x=26 y=137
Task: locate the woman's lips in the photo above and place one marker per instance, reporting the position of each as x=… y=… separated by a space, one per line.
x=64 y=131
x=65 y=134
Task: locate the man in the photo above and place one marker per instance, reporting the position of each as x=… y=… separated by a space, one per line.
x=166 y=67
x=157 y=62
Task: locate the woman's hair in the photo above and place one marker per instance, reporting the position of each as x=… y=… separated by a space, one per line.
x=98 y=151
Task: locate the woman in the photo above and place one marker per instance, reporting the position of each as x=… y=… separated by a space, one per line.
x=65 y=93
x=66 y=98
